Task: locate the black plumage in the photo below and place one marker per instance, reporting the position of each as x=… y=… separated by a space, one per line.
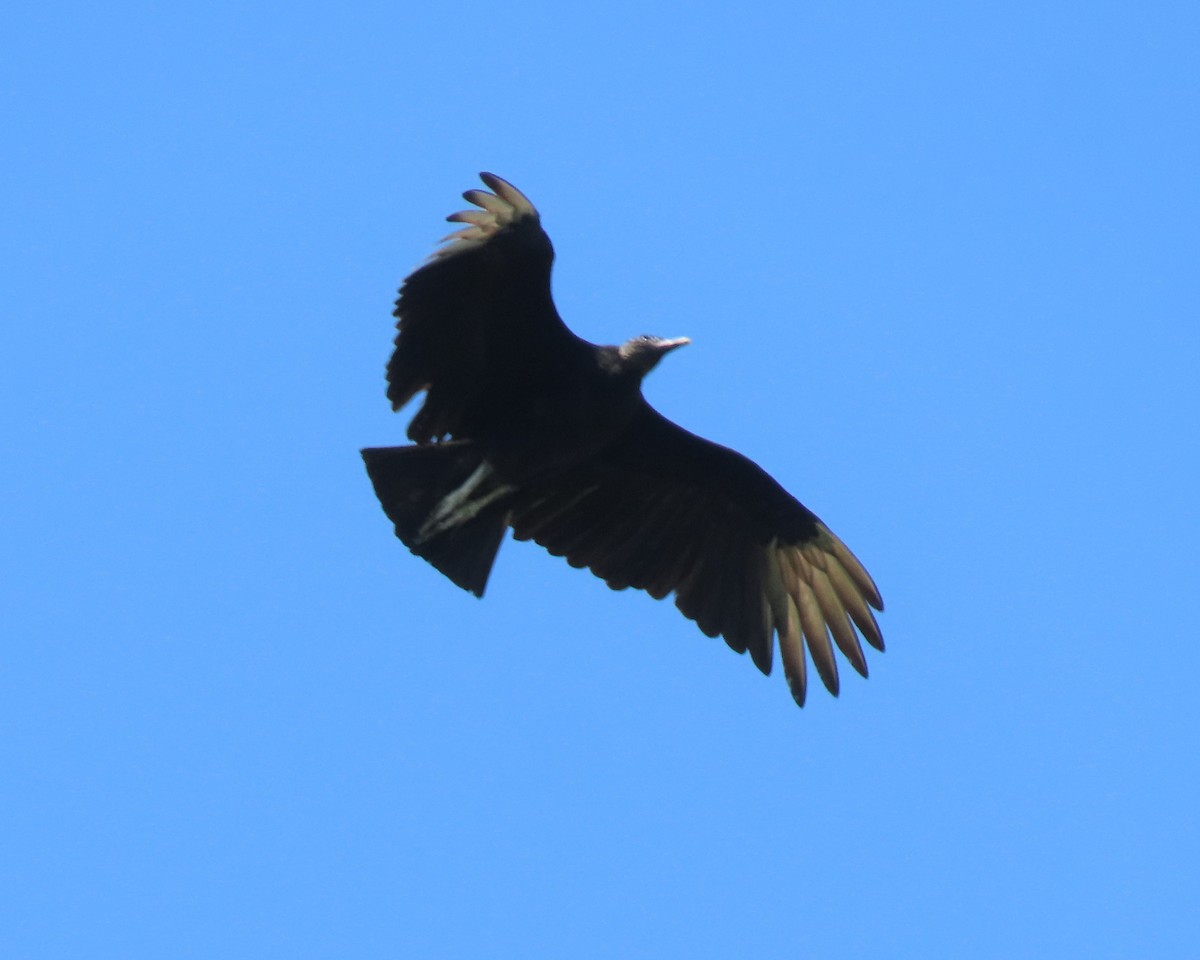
x=526 y=426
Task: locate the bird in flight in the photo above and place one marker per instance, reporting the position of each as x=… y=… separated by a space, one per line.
x=525 y=426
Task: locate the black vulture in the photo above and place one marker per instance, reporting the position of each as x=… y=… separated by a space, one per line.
x=526 y=426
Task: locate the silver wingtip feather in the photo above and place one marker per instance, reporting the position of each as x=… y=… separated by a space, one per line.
x=506 y=191
x=497 y=211
x=816 y=601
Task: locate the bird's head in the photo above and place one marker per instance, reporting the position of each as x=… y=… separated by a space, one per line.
x=643 y=353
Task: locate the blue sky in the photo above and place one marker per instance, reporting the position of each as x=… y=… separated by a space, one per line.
x=938 y=263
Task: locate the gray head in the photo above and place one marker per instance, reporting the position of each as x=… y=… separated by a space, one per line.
x=643 y=353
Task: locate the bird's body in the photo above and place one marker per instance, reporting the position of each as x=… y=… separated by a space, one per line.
x=525 y=425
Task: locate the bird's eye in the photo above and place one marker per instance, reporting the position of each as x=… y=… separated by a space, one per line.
x=645 y=338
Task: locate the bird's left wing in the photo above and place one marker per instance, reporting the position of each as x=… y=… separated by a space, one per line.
x=666 y=511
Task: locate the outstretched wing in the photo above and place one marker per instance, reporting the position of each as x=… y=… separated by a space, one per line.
x=478 y=310
x=665 y=511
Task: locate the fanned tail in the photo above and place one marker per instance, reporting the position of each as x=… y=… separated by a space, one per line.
x=447 y=506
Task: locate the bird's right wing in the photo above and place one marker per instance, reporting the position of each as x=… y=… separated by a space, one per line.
x=480 y=305
x=666 y=511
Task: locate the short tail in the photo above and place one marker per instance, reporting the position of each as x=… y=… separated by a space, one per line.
x=445 y=505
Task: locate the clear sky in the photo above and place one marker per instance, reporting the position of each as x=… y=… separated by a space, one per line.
x=939 y=265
